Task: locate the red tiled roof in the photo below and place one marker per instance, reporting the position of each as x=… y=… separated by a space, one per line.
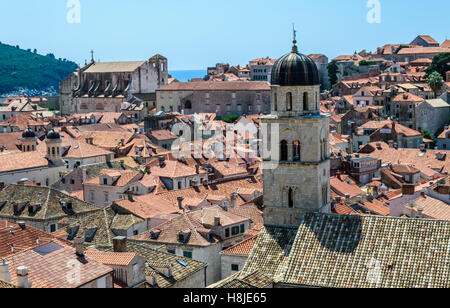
x=50 y=270
x=433 y=208
x=343 y=209
x=377 y=207
x=147 y=206
x=244 y=248
x=22 y=239
x=111 y=258
x=342 y=188
x=22 y=160
x=408 y=97
x=423 y=50
x=163 y=134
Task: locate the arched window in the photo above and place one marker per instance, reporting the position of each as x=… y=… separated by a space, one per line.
x=325 y=194
x=284 y=150
x=188 y=105
x=289 y=101
x=305 y=101
x=275 y=102
x=323 y=150
x=53 y=151
x=296 y=150
x=291 y=198
x=28 y=148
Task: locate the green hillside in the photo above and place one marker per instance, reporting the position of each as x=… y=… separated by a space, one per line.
x=26 y=69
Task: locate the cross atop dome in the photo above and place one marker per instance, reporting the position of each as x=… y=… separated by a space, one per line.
x=294 y=48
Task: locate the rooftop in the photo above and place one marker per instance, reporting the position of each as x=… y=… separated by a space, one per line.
x=409 y=255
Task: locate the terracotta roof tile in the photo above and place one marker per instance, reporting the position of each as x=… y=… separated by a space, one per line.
x=50 y=270
x=244 y=248
x=111 y=258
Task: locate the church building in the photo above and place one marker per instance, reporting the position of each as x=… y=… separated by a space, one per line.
x=108 y=86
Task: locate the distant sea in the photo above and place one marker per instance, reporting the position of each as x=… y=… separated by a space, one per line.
x=184 y=76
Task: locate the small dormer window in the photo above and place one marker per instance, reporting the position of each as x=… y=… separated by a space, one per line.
x=181 y=237
x=105 y=181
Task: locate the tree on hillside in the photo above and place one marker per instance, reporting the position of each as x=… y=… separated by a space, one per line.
x=441 y=64
x=435 y=81
x=332 y=72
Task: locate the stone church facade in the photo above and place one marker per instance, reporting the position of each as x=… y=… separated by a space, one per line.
x=106 y=86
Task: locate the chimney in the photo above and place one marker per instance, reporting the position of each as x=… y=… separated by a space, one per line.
x=217 y=221
x=180 y=202
x=122 y=164
x=22 y=278
x=154 y=281
x=391 y=144
x=4 y=272
x=22 y=224
x=408 y=189
x=420 y=211
x=443 y=188
x=422 y=148
x=234 y=200
x=120 y=244
x=78 y=244
x=423 y=194
x=161 y=161
x=130 y=195
x=197 y=169
x=396 y=146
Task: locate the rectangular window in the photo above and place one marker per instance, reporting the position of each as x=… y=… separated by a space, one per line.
x=106 y=197
x=242 y=228
x=187 y=254
x=227 y=232
x=235 y=267
x=105 y=181
x=235 y=231
x=171 y=251
x=52 y=228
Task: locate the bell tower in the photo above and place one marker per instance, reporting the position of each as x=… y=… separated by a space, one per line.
x=28 y=140
x=297 y=175
x=53 y=142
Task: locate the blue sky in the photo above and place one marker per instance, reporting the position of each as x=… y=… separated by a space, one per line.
x=194 y=34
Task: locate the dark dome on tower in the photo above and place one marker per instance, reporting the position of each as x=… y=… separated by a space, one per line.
x=53 y=134
x=28 y=133
x=295 y=69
